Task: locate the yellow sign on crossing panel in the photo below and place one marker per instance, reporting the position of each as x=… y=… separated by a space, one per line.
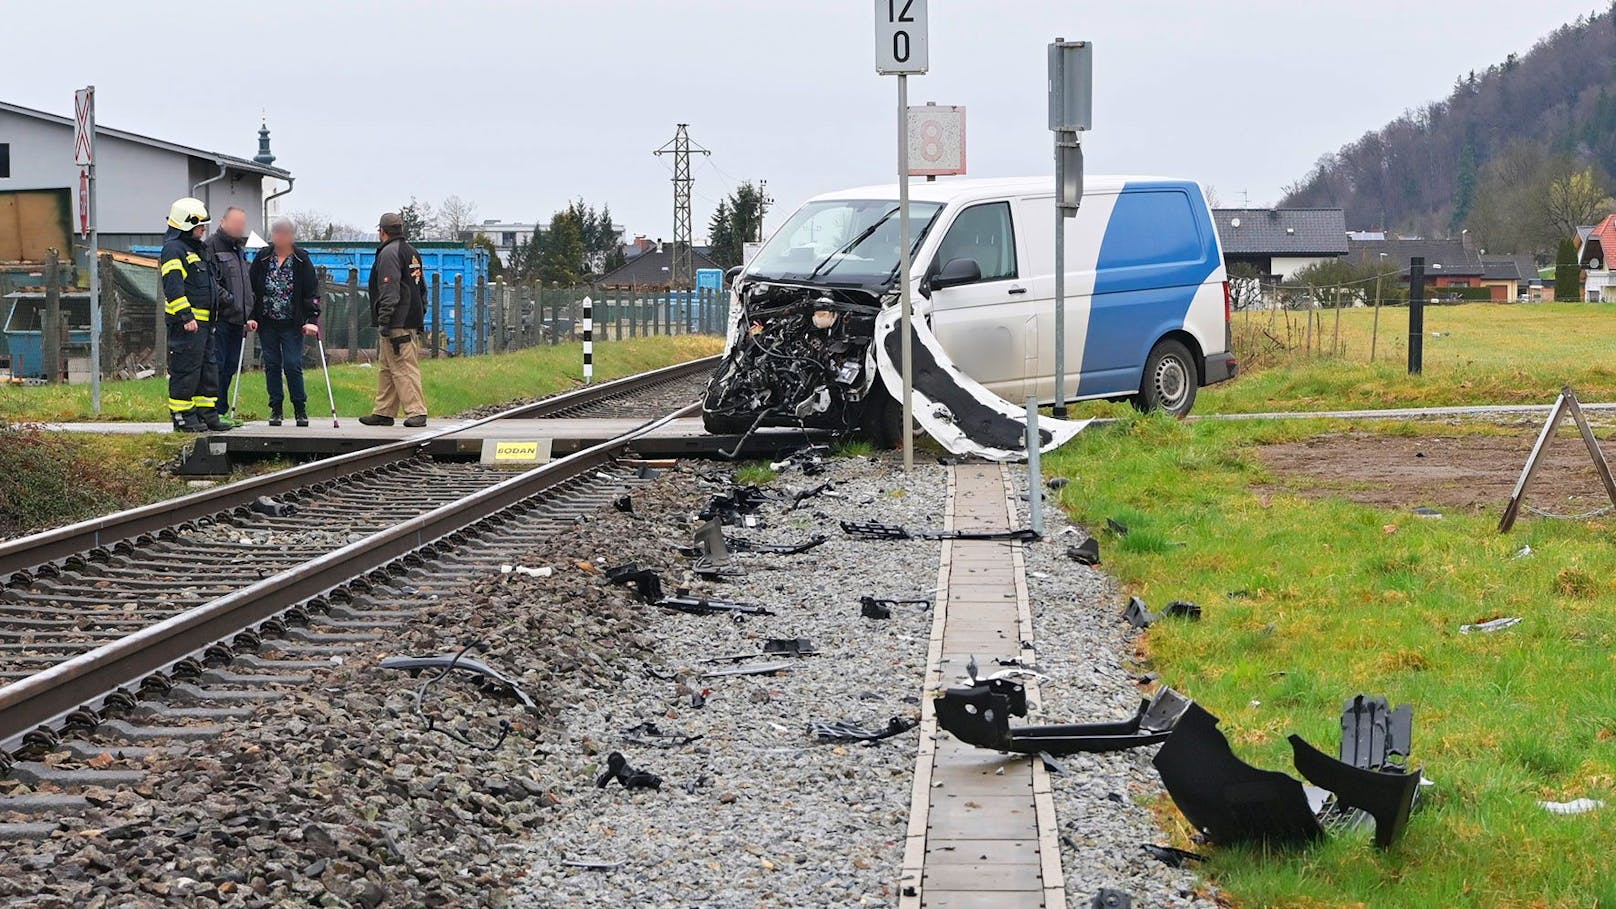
x=515 y=452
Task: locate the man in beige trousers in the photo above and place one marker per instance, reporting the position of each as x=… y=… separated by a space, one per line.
x=398 y=310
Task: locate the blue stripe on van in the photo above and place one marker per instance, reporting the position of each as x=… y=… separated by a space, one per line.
x=1157 y=251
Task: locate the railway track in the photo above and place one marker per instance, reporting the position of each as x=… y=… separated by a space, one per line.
x=164 y=622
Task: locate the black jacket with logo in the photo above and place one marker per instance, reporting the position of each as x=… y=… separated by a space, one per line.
x=230 y=258
x=397 y=287
x=190 y=285
x=305 y=287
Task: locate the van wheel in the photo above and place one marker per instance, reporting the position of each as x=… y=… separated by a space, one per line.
x=1170 y=381
x=882 y=420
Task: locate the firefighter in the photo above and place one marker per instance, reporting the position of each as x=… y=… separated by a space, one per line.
x=191 y=291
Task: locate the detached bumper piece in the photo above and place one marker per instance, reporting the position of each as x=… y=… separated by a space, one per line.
x=1231 y=801
x=873 y=530
x=980 y=715
x=648 y=584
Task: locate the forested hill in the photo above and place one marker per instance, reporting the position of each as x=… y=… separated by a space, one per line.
x=1517 y=154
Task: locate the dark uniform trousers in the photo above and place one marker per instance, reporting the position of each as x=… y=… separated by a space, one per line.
x=193 y=369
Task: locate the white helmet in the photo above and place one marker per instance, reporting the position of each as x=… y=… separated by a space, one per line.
x=187 y=214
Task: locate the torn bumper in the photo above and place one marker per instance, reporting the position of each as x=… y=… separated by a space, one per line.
x=980 y=715
x=954 y=409
x=1220 y=367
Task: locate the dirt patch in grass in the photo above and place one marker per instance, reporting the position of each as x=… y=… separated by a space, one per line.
x=1475 y=473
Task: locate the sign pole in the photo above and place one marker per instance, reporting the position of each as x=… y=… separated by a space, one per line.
x=1059 y=410
x=903 y=274
x=84 y=156
x=1071 y=71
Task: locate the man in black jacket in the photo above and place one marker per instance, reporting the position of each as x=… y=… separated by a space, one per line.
x=286 y=308
x=228 y=247
x=191 y=293
x=398 y=310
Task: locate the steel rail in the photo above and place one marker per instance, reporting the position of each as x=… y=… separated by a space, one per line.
x=51 y=694
x=29 y=552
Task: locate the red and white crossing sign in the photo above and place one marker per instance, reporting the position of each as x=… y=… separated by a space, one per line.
x=84 y=127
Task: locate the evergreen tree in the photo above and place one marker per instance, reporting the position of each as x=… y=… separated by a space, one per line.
x=721 y=245
x=561 y=256
x=1567 y=276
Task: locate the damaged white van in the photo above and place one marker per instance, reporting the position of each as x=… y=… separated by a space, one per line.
x=813 y=337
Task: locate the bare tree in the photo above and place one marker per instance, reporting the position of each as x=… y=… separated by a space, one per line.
x=1574 y=198
x=457 y=217
x=317 y=225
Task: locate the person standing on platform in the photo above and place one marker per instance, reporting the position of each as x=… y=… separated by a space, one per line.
x=228 y=247
x=286 y=309
x=191 y=292
x=398 y=310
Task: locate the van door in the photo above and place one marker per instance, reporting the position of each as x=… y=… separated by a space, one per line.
x=983 y=327
x=1036 y=219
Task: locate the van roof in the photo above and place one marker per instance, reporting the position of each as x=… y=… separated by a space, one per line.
x=971 y=189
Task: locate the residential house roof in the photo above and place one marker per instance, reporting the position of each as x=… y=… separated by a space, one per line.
x=1282 y=231
x=1604 y=235
x=245 y=165
x=654 y=268
x=1501 y=268
x=1442 y=257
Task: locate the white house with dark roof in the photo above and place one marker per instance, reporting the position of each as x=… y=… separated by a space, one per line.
x=137 y=177
x=1278 y=242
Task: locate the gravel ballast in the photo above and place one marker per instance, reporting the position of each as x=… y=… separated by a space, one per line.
x=757 y=813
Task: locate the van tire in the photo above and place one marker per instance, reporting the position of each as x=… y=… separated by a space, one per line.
x=1170 y=380
x=882 y=420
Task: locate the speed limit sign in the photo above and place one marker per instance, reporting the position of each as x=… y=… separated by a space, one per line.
x=900 y=37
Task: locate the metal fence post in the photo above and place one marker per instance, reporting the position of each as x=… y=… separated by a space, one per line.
x=437 y=313
x=350 y=299
x=555 y=315
x=461 y=346
x=1416 y=315
x=111 y=316
x=160 y=340
x=496 y=318
x=617 y=310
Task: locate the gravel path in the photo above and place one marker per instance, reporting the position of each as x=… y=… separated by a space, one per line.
x=1084 y=645
x=757 y=813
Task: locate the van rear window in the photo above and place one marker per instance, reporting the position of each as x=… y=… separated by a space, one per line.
x=1151 y=228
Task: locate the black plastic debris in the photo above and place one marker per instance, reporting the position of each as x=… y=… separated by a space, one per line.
x=593 y=864
x=741 y=544
x=646 y=583
x=649 y=733
x=1116 y=527
x=803 y=495
x=734 y=505
x=1426 y=511
x=1057 y=482
x=874 y=530
x=265 y=505
x=624 y=503
x=1171 y=856
x=881 y=608
x=1085 y=553
x=980 y=715
x=683 y=601
x=851 y=732
x=871 y=530
x=1230 y=801
x=1052 y=765
x=797 y=647
x=618 y=768
x=1139 y=615
x=1108 y=898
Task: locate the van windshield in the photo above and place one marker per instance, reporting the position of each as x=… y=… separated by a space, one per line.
x=843 y=241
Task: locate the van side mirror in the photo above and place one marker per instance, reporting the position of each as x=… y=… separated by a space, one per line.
x=732 y=274
x=956 y=272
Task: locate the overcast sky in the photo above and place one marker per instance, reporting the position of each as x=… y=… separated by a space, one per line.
x=519 y=107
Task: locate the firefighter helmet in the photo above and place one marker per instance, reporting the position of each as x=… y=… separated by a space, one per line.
x=187 y=214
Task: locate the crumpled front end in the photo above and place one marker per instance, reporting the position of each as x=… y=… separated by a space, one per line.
x=797 y=356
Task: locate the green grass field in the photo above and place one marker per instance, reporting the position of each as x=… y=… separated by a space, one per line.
x=1311 y=599
x=451 y=385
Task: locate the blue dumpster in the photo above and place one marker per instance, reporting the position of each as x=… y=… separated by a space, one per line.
x=25 y=337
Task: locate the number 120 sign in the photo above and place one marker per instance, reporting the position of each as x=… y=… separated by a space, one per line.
x=900 y=36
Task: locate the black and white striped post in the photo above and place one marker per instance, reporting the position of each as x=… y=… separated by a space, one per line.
x=589 y=341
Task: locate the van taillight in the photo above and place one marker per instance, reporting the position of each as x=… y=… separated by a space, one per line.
x=1228 y=303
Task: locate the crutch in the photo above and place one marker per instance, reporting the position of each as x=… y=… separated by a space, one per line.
x=241 y=362
x=330 y=395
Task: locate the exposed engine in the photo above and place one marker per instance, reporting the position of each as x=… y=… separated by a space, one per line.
x=800 y=358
